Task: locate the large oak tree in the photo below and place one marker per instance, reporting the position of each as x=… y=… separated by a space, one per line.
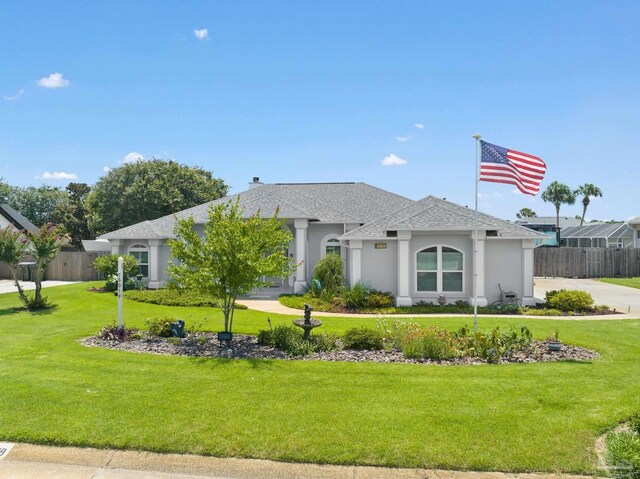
x=146 y=190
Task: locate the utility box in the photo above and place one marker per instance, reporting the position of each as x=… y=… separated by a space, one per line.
x=508 y=297
x=27 y=268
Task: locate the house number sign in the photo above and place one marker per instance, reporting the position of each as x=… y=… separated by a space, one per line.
x=380 y=246
x=4 y=449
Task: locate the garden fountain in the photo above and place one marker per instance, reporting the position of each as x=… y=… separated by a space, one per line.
x=307 y=323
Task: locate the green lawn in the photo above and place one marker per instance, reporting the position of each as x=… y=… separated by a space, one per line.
x=519 y=417
x=630 y=282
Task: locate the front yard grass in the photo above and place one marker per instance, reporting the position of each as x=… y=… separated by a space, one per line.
x=630 y=282
x=517 y=417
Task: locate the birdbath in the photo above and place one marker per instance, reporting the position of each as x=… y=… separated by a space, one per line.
x=307 y=323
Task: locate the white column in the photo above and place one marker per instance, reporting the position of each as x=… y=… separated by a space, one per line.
x=155 y=268
x=479 y=268
x=404 y=269
x=301 y=226
x=355 y=246
x=115 y=246
x=528 y=247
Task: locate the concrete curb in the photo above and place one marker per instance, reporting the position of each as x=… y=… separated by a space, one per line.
x=33 y=461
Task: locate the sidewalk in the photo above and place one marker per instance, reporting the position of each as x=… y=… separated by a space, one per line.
x=8 y=286
x=26 y=461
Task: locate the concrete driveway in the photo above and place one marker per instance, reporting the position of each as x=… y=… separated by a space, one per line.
x=8 y=286
x=622 y=298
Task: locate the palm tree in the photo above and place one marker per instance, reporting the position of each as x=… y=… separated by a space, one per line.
x=587 y=191
x=558 y=194
x=526 y=213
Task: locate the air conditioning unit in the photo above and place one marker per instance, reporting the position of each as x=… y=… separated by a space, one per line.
x=508 y=297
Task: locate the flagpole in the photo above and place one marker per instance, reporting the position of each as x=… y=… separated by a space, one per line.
x=475 y=240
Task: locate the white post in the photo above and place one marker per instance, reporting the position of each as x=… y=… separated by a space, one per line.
x=120 y=289
x=356 y=261
x=475 y=241
x=528 y=298
x=404 y=269
x=301 y=226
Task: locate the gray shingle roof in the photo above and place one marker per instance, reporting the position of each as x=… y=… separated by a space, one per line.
x=16 y=218
x=435 y=214
x=325 y=202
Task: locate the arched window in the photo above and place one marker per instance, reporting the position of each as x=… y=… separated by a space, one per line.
x=331 y=244
x=440 y=269
x=141 y=253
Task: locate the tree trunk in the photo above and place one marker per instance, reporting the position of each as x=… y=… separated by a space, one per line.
x=23 y=297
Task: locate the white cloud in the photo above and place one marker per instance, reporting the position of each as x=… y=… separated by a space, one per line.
x=201 y=34
x=402 y=138
x=132 y=157
x=393 y=160
x=17 y=96
x=55 y=80
x=419 y=126
x=106 y=169
x=57 y=175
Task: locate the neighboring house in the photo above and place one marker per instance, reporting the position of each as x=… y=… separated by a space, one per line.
x=11 y=217
x=634 y=223
x=418 y=250
x=598 y=235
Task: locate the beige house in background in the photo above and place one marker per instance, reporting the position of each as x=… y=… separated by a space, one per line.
x=418 y=250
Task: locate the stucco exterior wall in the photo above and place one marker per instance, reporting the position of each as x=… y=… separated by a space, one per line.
x=380 y=266
x=504 y=265
x=315 y=234
x=4 y=222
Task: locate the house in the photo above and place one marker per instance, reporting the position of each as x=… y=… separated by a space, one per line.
x=418 y=250
x=599 y=235
x=634 y=224
x=11 y=217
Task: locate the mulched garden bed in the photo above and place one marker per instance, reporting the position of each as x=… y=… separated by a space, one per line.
x=246 y=347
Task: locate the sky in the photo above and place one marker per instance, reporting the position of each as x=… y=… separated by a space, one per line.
x=388 y=93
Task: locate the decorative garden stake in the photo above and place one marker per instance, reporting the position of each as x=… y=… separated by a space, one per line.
x=307 y=323
x=120 y=287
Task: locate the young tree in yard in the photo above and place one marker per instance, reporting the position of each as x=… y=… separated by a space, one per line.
x=44 y=246
x=231 y=257
x=558 y=194
x=587 y=191
x=526 y=213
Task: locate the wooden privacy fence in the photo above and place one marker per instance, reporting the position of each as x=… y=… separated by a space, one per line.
x=587 y=262
x=68 y=266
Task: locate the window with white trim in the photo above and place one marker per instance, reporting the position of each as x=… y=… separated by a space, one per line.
x=439 y=269
x=141 y=253
x=331 y=245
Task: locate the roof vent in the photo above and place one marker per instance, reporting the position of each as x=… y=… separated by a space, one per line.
x=255 y=183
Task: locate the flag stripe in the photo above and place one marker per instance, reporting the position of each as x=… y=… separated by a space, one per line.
x=525 y=175
x=527 y=164
x=525 y=189
x=522 y=190
x=509 y=175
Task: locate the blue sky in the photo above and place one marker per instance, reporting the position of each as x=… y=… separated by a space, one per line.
x=325 y=91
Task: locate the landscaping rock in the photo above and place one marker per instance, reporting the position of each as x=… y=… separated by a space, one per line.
x=244 y=346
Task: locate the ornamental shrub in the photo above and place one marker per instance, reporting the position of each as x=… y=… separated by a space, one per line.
x=289 y=339
x=113 y=333
x=356 y=297
x=159 y=327
x=329 y=272
x=380 y=300
x=623 y=454
x=107 y=265
x=363 y=339
x=430 y=343
x=174 y=297
x=570 y=300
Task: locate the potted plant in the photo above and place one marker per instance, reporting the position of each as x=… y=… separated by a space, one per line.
x=553 y=342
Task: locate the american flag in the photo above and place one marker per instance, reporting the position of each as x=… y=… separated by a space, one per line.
x=501 y=165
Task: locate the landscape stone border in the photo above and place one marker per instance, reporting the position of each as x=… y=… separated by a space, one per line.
x=246 y=347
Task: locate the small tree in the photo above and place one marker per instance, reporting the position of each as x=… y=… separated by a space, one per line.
x=107 y=265
x=231 y=257
x=13 y=246
x=44 y=246
x=330 y=274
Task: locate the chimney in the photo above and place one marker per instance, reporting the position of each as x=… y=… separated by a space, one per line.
x=255 y=183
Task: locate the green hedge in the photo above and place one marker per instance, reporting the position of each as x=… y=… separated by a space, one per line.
x=173 y=297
